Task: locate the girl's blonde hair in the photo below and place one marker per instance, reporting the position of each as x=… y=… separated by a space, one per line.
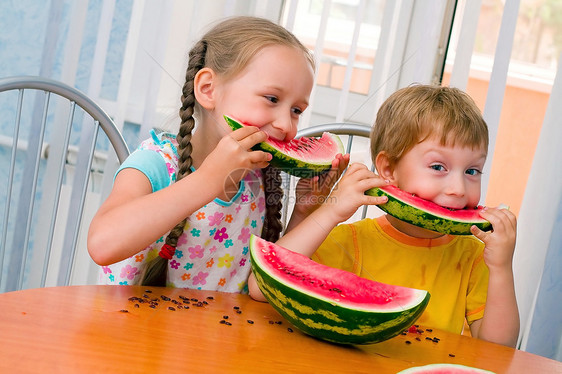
x=418 y=112
x=227 y=49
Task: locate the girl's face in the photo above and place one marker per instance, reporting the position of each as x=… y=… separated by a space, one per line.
x=270 y=93
x=449 y=176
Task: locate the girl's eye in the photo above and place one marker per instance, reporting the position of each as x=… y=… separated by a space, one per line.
x=297 y=111
x=473 y=172
x=438 y=167
x=273 y=99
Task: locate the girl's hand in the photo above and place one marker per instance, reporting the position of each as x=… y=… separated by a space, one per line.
x=310 y=193
x=349 y=194
x=500 y=241
x=233 y=157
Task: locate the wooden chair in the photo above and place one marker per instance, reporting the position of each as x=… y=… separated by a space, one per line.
x=51 y=160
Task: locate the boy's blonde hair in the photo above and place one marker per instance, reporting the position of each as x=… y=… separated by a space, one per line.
x=418 y=112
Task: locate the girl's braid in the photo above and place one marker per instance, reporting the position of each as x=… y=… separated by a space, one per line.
x=156 y=271
x=272 y=225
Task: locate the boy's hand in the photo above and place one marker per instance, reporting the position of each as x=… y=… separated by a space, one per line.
x=349 y=194
x=500 y=241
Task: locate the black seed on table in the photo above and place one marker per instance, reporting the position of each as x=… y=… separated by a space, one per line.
x=250 y=322
x=428 y=330
x=152 y=306
x=408 y=342
x=271 y=322
x=228 y=323
x=194 y=299
x=418 y=339
x=428 y=338
x=206 y=303
x=289 y=329
x=279 y=322
x=225 y=317
x=451 y=355
x=148 y=291
x=238 y=311
x=124 y=311
x=222 y=321
x=137 y=306
x=236 y=307
x=210 y=298
x=165 y=298
x=172 y=308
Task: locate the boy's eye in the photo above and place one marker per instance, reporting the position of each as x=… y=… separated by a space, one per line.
x=273 y=99
x=437 y=167
x=473 y=172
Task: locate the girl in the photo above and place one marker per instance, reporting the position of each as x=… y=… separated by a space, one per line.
x=257 y=72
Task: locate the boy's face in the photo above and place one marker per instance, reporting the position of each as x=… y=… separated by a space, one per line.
x=449 y=176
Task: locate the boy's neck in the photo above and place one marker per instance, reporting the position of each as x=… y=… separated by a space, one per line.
x=412 y=230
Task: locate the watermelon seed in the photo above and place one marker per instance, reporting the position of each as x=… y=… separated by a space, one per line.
x=250 y=322
x=124 y=311
x=172 y=308
x=408 y=342
x=137 y=306
x=148 y=291
x=451 y=355
x=289 y=329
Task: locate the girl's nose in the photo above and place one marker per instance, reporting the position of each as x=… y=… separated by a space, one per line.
x=284 y=128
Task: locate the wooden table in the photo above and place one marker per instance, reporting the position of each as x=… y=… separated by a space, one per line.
x=107 y=329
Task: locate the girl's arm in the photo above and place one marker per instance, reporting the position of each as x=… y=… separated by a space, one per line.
x=500 y=323
x=348 y=195
x=133 y=216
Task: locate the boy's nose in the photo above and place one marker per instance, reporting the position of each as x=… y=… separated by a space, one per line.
x=456 y=186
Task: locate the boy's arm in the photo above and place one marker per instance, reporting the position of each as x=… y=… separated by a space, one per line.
x=500 y=323
x=346 y=198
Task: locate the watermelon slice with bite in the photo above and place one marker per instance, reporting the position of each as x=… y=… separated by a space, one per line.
x=427 y=214
x=444 y=369
x=303 y=157
x=332 y=304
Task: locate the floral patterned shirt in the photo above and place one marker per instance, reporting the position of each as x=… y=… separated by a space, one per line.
x=213 y=251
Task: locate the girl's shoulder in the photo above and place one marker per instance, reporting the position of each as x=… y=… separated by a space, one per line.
x=163 y=142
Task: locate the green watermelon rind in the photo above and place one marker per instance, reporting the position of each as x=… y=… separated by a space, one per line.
x=328 y=320
x=296 y=167
x=451 y=368
x=422 y=218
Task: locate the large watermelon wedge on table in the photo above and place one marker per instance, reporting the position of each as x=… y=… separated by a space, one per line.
x=427 y=214
x=332 y=304
x=303 y=157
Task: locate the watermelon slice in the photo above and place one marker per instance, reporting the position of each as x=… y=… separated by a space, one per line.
x=444 y=369
x=303 y=157
x=332 y=304
x=427 y=214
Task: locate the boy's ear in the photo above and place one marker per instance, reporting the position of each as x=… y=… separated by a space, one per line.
x=385 y=168
x=204 y=88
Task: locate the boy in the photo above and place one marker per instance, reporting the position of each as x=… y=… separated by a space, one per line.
x=430 y=141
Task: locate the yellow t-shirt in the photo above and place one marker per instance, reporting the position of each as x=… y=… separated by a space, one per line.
x=450 y=267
